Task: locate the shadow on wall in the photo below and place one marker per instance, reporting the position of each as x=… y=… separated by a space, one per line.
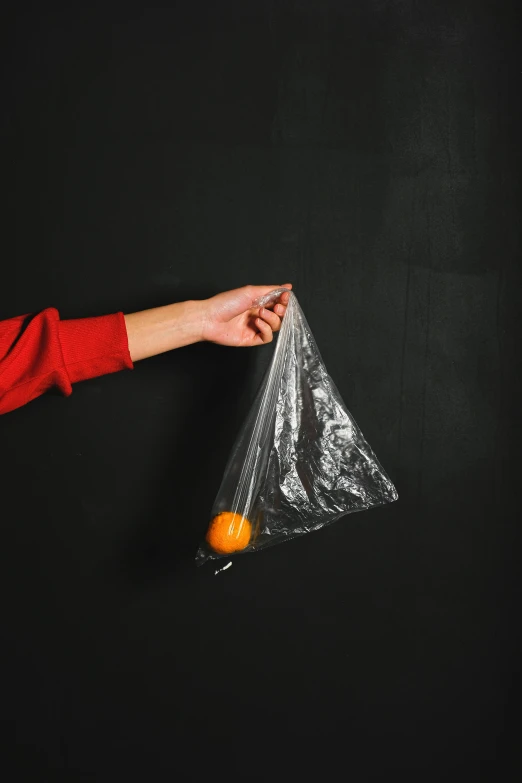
x=175 y=517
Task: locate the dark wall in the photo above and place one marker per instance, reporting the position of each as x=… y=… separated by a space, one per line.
x=368 y=152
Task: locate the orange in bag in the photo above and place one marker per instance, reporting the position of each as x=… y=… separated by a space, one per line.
x=229 y=532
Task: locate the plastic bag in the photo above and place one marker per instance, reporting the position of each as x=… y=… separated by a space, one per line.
x=300 y=461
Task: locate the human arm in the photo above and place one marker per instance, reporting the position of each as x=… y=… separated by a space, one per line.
x=227 y=319
x=40 y=351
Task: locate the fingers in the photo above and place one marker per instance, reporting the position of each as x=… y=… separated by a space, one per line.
x=265 y=332
x=284 y=298
x=279 y=308
x=279 y=305
x=268 y=319
x=271 y=318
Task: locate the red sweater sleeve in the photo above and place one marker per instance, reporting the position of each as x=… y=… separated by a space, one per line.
x=40 y=351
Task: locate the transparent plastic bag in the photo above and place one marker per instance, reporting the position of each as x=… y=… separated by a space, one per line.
x=300 y=461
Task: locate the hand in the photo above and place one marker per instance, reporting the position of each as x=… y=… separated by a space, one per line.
x=227 y=319
x=231 y=319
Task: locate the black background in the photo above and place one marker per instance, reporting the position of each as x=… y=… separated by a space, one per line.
x=367 y=152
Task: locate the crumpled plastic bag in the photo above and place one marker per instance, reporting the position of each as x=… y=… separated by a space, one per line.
x=300 y=461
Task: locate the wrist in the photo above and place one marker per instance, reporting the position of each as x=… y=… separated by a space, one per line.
x=192 y=319
x=184 y=323
x=162 y=329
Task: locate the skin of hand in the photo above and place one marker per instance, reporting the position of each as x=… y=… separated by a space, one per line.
x=229 y=319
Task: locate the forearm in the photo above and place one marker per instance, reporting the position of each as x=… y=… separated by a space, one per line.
x=163 y=328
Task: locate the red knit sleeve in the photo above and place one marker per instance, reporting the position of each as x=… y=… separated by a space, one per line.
x=40 y=351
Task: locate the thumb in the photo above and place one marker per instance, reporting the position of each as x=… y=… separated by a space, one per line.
x=232 y=303
x=263 y=292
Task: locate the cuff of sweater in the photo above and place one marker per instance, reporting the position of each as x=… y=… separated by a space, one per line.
x=94 y=346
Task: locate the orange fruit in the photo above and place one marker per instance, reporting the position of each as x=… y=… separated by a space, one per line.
x=229 y=532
